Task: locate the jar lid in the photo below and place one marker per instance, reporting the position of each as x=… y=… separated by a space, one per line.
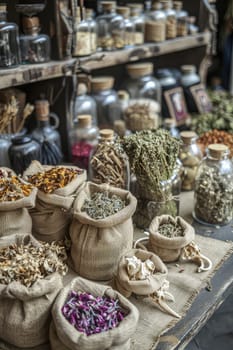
x=123 y=10
x=108 y=5
x=107 y=134
x=188 y=68
x=156 y=5
x=84 y=120
x=123 y=95
x=42 y=109
x=177 y=5
x=30 y=23
x=167 y=4
x=187 y=136
x=217 y=150
x=139 y=69
x=20 y=140
x=120 y=127
x=89 y=11
x=169 y=122
x=102 y=83
x=135 y=6
x=81 y=89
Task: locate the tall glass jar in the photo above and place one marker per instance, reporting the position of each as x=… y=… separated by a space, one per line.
x=171 y=19
x=85 y=104
x=141 y=82
x=129 y=27
x=82 y=36
x=213 y=195
x=182 y=19
x=109 y=163
x=155 y=30
x=110 y=27
x=9 y=41
x=139 y=22
x=192 y=28
x=83 y=138
x=106 y=99
x=190 y=157
x=93 y=29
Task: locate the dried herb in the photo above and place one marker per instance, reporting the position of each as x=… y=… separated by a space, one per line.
x=13 y=188
x=102 y=205
x=171 y=230
x=216 y=136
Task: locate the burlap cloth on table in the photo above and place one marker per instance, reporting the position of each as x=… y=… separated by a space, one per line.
x=184 y=286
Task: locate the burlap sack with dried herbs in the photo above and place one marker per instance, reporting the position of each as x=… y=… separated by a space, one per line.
x=147 y=286
x=98 y=244
x=26 y=312
x=51 y=216
x=63 y=336
x=169 y=249
x=14 y=215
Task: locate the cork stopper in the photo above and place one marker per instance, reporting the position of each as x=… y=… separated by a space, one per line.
x=156 y=5
x=101 y=83
x=81 y=89
x=30 y=24
x=139 y=69
x=188 y=68
x=108 y=5
x=169 y=122
x=107 y=134
x=84 y=120
x=123 y=10
x=135 y=6
x=188 y=136
x=217 y=150
x=123 y=95
x=42 y=110
x=120 y=127
x=89 y=12
x=166 y=4
x=177 y=5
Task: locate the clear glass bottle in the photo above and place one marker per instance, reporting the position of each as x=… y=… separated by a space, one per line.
x=82 y=35
x=139 y=22
x=35 y=47
x=85 y=104
x=123 y=98
x=93 y=29
x=171 y=23
x=110 y=27
x=155 y=30
x=83 y=138
x=213 y=194
x=192 y=28
x=129 y=27
x=108 y=109
x=182 y=18
x=9 y=41
x=190 y=157
x=170 y=125
x=142 y=82
x=109 y=163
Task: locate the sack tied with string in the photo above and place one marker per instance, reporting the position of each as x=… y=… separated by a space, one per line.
x=51 y=216
x=26 y=311
x=64 y=336
x=97 y=245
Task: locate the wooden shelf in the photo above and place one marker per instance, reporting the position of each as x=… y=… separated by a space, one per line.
x=107 y=59
x=30 y=73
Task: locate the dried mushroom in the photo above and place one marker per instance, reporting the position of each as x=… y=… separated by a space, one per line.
x=13 y=188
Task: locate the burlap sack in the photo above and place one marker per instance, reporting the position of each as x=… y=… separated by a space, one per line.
x=141 y=287
x=98 y=244
x=63 y=336
x=14 y=216
x=51 y=216
x=169 y=249
x=26 y=312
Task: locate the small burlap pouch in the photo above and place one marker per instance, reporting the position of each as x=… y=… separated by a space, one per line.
x=64 y=336
x=14 y=215
x=97 y=245
x=147 y=286
x=51 y=216
x=26 y=311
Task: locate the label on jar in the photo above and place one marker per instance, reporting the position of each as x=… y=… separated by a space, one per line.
x=176 y=104
x=201 y=98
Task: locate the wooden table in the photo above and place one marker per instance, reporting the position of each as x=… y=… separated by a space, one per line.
x=211 y=296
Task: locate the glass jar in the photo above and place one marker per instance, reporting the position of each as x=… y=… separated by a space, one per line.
x=129 y=31
x=139 y=23
x=155 y=30
x=35 y=47
x=213 y=195
x=173 y=100
x=9 y=41
x=93 y=29
x=109 y=163
x=22 y=152
x=195 y=93
x=85 y=104
x=192 y=28
x=182 y=18
x=108 y=109
x=142 y=83
x=110 y=27
x=190 y=157
x=171 y=22
x=5 y=143
x=82 y=36
x=123 y=98
x=170 y=125
x=83 y=138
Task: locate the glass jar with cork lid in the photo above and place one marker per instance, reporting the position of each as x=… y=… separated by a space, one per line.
x=84 y=104
x=139 y=22
x=213 y=194
x=182 y=18
x=155 y=29
x=171 y=19
x=89 y=13
x=82 y=35
x=129 y=27
x=190 y=157
x=109 y=163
